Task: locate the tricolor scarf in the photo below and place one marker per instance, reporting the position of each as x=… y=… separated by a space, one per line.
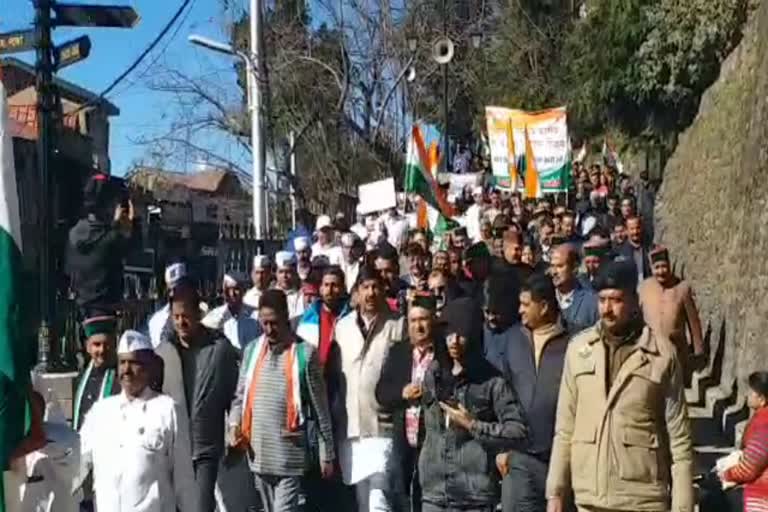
x=106 y=390
x=295 y=372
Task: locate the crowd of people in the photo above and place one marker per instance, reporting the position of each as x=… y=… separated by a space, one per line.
x=535 y=358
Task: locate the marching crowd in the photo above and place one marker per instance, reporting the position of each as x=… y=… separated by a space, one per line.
x=533 y=359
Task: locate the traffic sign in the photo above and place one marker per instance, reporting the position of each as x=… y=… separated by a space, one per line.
x=81 y=15
x=17 y=41
x=71 y=52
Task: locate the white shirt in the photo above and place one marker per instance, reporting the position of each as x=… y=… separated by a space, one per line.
x=239 y=329
x=156 y=324
x=295 y=300
x=474 y=216
x=251 y=297
x=565 y=299
x=397 y=230
x=139 y=451
x=332 y=252
x=42 y=480
x=351 y=270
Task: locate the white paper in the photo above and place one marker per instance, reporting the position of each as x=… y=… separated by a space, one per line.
x=377 y=196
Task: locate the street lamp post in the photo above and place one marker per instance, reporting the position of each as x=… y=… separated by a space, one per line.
x=253 y=75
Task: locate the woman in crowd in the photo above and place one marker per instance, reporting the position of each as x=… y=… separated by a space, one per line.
x=470 y=415
x=752 y=469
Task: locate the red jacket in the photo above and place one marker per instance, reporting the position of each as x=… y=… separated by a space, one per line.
x=751 y=470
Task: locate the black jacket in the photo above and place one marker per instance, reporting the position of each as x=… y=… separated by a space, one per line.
x=626 y=252
x=395 y=375
x=457 y=468
x=510 y=351
x=214 y=372
x=94 y=263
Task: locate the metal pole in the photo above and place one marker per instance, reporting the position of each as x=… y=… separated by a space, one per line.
x=445 y=119
x=445 y=95
x=293 y=179
x=257 y=134
x=44 y=79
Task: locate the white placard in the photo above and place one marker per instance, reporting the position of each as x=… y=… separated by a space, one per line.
x=377 y=196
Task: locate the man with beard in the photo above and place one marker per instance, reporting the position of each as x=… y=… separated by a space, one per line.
x=618 y=235
x=669 y=308
x=303 y=249
x=635 y=248
x=238 y=322
x=365 y=337
x=568 y=228
x=459 y=239
x=137 y=443
x=200 y=374
x=399 y=392
x=261 y=275
x=280 y=381
x=578 y=304
x=622 y=437
x=532 y=362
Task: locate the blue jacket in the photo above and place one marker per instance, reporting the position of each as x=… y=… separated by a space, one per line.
x=510 y=351
x=583 y=312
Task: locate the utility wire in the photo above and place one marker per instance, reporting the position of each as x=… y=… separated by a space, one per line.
x=136 y=63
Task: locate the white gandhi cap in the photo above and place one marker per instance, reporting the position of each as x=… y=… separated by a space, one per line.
x=175 y=273
x=300 y=243
x=261 y=262
x=133 y=341
x=285 y=259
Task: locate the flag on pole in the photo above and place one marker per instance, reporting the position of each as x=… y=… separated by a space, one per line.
x=418 y=174
x=512 y=157
x=15 y=360
x=532 y=184
x=582 y=154
x=611 y=157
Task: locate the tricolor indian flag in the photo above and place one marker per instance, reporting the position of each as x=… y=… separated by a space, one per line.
x=14 y=355
x=420 y=170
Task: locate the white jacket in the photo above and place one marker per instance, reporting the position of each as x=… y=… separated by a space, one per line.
x=361 y=362
x=140 y=454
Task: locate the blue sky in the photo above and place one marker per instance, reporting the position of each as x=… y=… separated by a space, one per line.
x=142 y=111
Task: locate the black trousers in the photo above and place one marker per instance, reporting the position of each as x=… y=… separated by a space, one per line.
x=524 y=487
x=206 y=472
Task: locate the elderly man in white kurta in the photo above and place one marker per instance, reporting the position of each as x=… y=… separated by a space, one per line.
x=136 y=443
x=261 y=275
x=286 y=281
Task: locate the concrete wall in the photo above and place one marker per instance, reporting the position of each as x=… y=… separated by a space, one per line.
x=713 y=206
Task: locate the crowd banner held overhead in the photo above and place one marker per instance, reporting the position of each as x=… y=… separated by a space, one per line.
x=377 y=196
x=15 y=360
x=458 y=182
x=548 y=134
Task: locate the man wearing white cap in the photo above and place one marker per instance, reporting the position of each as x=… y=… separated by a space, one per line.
x=325 y=243
x=285 y=262
x=261 y=276
x=176 y=276
x=302 y=246
x=137 y=442
x=238 y=321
